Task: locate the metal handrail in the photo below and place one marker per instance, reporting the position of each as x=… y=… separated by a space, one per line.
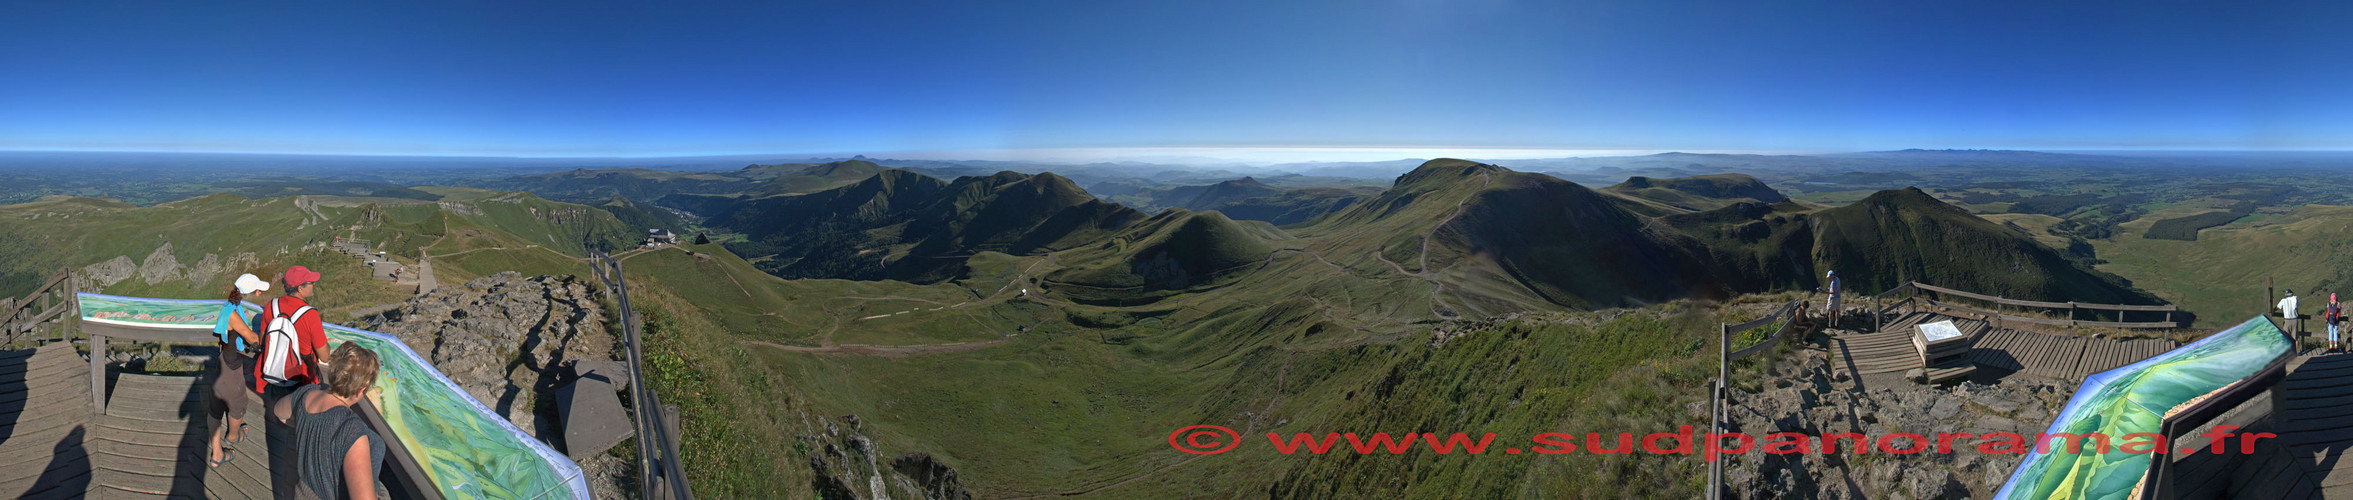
x=661 y=473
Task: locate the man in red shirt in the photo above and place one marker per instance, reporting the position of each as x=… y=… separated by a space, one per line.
x=291 y=359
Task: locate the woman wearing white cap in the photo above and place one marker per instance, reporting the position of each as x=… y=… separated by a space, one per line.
x=236 y=336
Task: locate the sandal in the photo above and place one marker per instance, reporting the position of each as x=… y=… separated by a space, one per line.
x=226 y=456
x=241 y=428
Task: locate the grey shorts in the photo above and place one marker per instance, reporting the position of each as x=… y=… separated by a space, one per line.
x=231 y=385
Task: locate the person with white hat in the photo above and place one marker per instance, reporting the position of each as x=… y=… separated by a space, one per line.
x=2295 y=324
x=1831 y=306
x=236 y=337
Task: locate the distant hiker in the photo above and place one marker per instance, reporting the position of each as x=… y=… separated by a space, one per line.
x=2287 y=309
x=1805 y=324
x=292 y=338
x=1830 y=307
x=236 y=336
x=336 y=451
x=2330 y=316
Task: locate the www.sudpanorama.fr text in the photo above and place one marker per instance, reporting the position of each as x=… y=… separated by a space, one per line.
x=1212 y=439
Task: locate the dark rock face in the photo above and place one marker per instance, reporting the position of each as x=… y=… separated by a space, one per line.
x=937 y=480
x=848 y=467
x=506 y=340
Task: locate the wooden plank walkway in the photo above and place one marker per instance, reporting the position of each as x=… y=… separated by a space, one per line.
x=150 y=443
x=1888 y=351
x=45 y=416
x=1869 y=353
x=2315 y=429
x=2308 y=460
x=2039 y=354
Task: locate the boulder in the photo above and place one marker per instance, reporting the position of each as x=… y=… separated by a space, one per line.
x=594 y=420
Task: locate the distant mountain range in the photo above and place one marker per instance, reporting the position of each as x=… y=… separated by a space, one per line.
x=1492 y=239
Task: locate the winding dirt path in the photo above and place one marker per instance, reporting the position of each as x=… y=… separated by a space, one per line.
x=892 y=351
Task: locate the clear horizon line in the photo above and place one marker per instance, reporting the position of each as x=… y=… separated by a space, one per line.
x=947 y=154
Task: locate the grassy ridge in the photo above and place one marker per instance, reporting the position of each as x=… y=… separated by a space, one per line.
x=1894 y=236
x=1174 y=250
x=902 y=225
x=1698 y=193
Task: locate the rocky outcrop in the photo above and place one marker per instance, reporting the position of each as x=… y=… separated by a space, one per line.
x=160 y=266
x=936 y=481
x=213 y=266
x=504 y=339
x=848 y=466
x=104 y=274
x=1807 y=396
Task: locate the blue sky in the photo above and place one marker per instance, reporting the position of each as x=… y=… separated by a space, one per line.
x=596 y=78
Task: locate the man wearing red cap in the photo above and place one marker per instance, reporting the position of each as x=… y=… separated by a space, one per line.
x=293 y=338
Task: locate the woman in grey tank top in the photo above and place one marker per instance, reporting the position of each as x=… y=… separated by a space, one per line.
x=337 y=452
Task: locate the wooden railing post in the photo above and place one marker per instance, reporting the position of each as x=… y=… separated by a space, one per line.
x=73 y=292
x=1716 y=409
x=98 y=374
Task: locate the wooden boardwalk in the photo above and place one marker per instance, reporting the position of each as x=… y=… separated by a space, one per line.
x=2033 y=353
x=2061 y=356
x=45 y=415
x=2308 y=459
x=1890 y=350
x=150 y=443
x=2313 y=418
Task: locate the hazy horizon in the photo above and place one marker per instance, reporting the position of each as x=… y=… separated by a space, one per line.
x=1203 y=157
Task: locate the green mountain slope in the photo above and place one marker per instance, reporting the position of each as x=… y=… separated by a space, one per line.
x=1888 y=237
x=1227 y=192
x=564 y=227
x=1294 y=206
x=1173 y=250
x=596 y=186
x=810 y=178
x=194 y=247
x=584 y=185
x=640 y=217
x=1699 y=193
x=1493 y=240
x=903 y=225
x=2222 y=275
